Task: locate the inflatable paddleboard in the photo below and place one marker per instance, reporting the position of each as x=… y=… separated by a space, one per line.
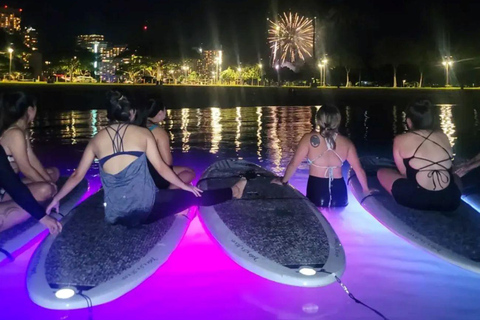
x=92 y=262
x=13 y=239
x=273 y=231
x=452 y=236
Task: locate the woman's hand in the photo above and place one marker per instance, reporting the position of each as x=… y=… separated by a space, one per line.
x=462 y=170
x=190 y=188
x=277 y=181
x=55 y=204
x=52 y=224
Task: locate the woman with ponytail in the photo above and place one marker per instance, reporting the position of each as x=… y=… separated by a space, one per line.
x=129 y=190
x=152 y=116
x=326 y=150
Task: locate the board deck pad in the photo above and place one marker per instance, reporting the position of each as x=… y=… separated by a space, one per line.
x=98 y=259
x=30 y=228
x=90 y=251
x=275 y=222
x=454 y=236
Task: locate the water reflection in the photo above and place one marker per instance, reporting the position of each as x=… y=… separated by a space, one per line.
x=185 y=132
x=267 y=133
x=216 y=129
x=447 y=124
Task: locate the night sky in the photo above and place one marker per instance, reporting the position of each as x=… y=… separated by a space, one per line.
x=176 y=27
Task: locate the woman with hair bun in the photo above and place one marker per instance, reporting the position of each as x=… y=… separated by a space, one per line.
x=423 y=157
x=130 y=193
x=326 y=150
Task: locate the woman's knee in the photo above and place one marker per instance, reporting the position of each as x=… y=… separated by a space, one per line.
x=54 y=173
x=43 y=191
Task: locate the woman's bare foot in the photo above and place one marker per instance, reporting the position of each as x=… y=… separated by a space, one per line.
x=237 y=189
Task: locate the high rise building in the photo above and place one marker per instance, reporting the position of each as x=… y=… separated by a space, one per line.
x=10 y=19
x=212 y=63
x=110 y=63
x=30 y=38
x=92 y=42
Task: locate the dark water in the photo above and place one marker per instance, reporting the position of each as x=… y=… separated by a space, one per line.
x=200 y=281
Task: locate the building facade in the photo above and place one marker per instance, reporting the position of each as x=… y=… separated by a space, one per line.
x=30 y=38
x=211 y=65
x=10 y=19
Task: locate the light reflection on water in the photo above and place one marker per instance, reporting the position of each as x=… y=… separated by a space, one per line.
x=384 y=271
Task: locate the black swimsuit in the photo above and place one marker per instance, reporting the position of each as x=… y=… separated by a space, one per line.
x=409 y=193
x=11 y=183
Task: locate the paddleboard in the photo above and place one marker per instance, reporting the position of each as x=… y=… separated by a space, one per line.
x=92 y=262
x=452 y=236
x=273 y=231
x=13 y=239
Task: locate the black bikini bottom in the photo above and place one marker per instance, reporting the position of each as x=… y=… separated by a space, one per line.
x=323 y=195
x=409 y=194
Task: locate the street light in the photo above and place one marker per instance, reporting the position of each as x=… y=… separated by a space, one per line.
x=324 y=62
x=320 y=66
x=277 y=67
x=10 y=50
x=447 y=63
x=185 y=69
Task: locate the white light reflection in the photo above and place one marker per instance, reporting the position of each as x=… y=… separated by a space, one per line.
x=447 y=124
x=93 y=117
x=365 y=125
x=170 y=121
x=185 y=132
x=238 y=119
x=259 y=133
x=216 y=129
x=74 y=129
x=273 y=140
x=348 y=119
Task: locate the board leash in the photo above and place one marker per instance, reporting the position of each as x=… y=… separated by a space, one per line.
x=344 y=287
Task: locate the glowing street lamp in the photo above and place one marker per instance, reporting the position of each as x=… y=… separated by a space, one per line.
x=10 y=50
x=447 y=63
x=320 y=66
x=277 y=67
x=185 y=69
x=324 y=62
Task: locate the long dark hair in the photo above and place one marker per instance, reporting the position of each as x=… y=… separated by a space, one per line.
x=422 y=115
x=13 y=107
x=118 y=106
x=152 y=107
x=328 y=118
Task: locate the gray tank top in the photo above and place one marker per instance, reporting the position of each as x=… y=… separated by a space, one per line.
x=130 y=194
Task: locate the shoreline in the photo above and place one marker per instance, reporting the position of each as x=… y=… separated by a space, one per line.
x=67 y=96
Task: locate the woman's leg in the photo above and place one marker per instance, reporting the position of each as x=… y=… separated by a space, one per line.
x=54 y=173
x=185 y=174
x=41 y=191
x=171 y=202
x=387 y=178
x=11 y=214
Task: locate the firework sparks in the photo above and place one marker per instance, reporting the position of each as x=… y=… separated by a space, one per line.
x=291 y=38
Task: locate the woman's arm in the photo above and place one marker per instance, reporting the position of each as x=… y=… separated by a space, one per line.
x=397 y=142
x=18 y=147
x=352 y=158
x=36 y=164
x=75 y=178
x=300 y=154
x=163 y=144
x=163 y=169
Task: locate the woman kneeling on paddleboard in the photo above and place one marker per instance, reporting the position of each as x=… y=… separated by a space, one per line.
x=326 y=150
x=130 y=193
x=150 y=118
x=423 y=157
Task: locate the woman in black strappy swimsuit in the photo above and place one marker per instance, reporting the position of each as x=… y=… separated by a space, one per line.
x=423 y=157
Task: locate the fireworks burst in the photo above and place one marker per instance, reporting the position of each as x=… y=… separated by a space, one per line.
x=291 y=38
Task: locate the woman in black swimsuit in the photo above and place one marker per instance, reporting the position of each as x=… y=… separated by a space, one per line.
x=423 y=156
x=23 y=204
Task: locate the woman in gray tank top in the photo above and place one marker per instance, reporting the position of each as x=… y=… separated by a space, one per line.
x=129 y=191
